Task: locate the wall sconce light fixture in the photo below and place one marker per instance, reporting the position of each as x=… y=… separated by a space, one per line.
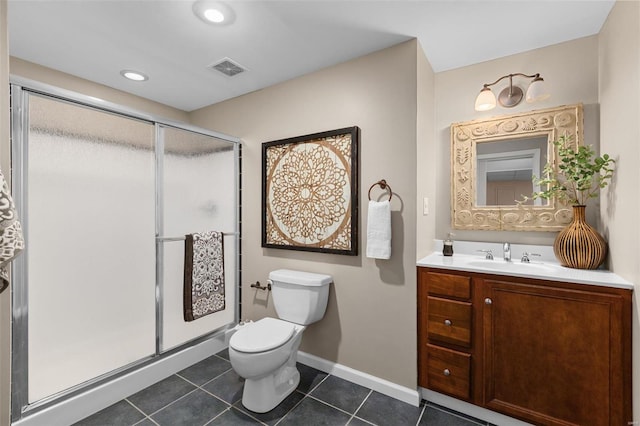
x=512 y=95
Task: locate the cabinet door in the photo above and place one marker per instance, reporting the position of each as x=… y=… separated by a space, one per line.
x=555 y=356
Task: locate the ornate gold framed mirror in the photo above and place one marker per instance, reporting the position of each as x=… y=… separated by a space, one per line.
x=492 y=164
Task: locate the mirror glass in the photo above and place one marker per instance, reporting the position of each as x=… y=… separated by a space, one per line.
x=505 y=168
x=493 y=161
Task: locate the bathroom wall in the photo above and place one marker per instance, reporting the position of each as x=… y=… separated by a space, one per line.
x=370 y=323
x=5 y=306
x=570 y=71
x=427 y=168
x=619 y=86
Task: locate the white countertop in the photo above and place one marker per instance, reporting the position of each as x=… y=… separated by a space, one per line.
x=539 y=267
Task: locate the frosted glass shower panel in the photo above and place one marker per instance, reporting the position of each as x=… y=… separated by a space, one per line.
x=199 y=181
x=91 y=252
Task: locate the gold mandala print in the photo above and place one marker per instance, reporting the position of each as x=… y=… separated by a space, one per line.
x=307 y=199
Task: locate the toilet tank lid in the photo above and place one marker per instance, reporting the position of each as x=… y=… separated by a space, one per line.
x=301 y=278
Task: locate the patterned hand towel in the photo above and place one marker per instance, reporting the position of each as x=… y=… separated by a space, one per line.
x=11 y=240
x=203 y=274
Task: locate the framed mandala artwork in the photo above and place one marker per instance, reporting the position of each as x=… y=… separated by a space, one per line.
x=310 y=192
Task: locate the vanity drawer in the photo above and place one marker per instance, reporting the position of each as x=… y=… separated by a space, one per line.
x=449 y=321
x=449 y=371
x=449 y=285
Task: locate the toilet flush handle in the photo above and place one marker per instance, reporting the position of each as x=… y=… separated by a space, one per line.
x=262 y=287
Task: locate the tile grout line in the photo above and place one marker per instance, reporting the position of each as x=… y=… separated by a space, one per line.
x=329 y=405
x=215 y=396
x=360 y=406
x=224 y=411
x=424 y=408
x=221 y=357
x=208 y=381
x=134 y=406
x=181 y=397
x=308 y=395
x=172 y=402
x=215 y=417
x=304 y=395
x=230 y=405
x=302 y=399
x=146 y=417
x=292 y=408
x=319 y=383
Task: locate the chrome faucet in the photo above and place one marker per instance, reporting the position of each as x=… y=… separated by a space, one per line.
x=488 y=254
x=526 y=257
x=506 y=249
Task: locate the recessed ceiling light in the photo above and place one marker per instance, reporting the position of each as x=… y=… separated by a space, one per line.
x=214 y=15
x=134 y=75
x=213 y=12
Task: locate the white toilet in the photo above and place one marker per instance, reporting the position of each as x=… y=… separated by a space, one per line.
x=264 y=352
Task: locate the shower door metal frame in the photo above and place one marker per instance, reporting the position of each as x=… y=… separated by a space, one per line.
x=21 y=88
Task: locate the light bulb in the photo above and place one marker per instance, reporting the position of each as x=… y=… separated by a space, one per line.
x=214 y=15
x=486 y=100
x=537 y=91
x=134 y=75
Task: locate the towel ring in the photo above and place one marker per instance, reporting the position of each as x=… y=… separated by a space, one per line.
x=384 y=185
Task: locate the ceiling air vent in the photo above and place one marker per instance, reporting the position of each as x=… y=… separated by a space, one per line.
x=227 y=67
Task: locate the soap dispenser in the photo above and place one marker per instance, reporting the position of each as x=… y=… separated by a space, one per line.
x=447 y=248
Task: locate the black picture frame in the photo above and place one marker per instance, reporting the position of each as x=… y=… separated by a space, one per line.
x=310 y=192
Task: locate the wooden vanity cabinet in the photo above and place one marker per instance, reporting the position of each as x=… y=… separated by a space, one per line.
x=445 y=330
x=546 y=352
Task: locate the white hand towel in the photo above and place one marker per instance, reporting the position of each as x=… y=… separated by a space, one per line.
x=379 y=230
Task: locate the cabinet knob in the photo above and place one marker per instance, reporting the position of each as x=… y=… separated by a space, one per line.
x=488 y=301
x=446 y=372
x=447 y=322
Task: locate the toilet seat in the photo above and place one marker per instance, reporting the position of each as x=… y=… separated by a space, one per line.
x=262 y=335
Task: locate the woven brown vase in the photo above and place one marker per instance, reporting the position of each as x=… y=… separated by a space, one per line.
x=579 y=245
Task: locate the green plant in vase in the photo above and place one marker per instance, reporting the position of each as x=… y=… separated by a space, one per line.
x=579 y=176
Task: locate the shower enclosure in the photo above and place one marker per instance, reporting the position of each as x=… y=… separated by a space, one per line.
x=106 y=195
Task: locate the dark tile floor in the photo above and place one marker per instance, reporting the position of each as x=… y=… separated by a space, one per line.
x=209 y=393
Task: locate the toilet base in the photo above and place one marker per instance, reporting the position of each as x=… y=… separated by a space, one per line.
x=262 y=394
x=259 y=395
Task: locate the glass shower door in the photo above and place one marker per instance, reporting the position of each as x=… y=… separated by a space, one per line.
x=198 y=194
x=90 y=190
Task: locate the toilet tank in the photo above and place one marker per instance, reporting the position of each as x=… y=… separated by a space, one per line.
x=300 y=297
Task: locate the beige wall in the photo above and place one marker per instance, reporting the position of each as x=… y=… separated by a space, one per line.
x=571 y=72
x=5 y=307
x=427 y=167
x=619 y=92
x=370 y=324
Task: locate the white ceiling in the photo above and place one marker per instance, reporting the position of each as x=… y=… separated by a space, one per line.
x=275 y=40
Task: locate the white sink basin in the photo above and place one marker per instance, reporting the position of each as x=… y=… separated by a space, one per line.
x=466 y=258
x=514 y=266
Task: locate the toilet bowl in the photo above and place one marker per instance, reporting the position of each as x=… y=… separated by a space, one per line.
x=264 y=352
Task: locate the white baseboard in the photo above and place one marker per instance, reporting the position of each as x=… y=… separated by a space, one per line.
x=410 y=396
x=470 y=409
x=82 y=405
